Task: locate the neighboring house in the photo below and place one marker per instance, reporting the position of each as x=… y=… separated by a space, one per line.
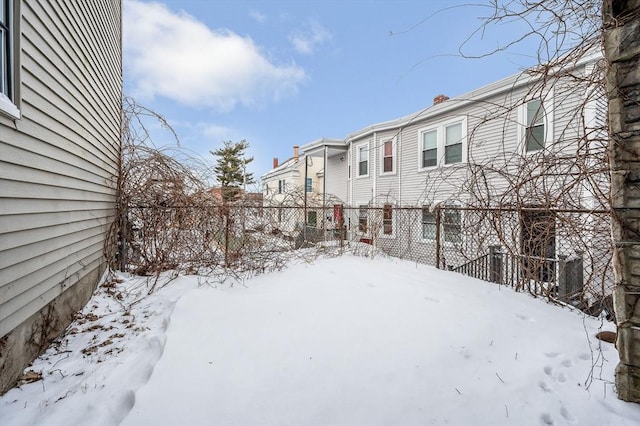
x=60 y=118
x=521 y=142
x=294 y=182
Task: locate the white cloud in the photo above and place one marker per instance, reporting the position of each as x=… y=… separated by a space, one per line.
x=258 y=16
x=173 y=55
x=216 y=132
x=306 y=41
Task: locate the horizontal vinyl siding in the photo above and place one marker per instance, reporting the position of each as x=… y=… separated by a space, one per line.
x=336 y=176
x=386 y=184
x=59 y=162
x=362 y=186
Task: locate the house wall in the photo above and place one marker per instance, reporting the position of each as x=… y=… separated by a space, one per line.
x=58 y=168
x=336 y=175
x=497 y=172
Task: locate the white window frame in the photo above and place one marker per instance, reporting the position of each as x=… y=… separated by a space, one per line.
x=393 y=143
x=443 y=212
x=443 y=233
x=8 y=104
x=547 y=106
x=422 y=223
x=308 y=185
x=282 y=186
x=358 y=149
x=421 y=149
x=363 y=213
x=392 y=234
x=459 y=141
x=441 y=132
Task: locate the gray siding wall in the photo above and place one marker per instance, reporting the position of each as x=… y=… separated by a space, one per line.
x=495 y=151
x=59 y=161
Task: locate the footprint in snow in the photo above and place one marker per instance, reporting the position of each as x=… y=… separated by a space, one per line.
x=567 y=415
x=525 y=318
x=546 y=419
x=545 y=387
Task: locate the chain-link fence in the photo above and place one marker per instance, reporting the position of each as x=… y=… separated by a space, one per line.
x=561 y=254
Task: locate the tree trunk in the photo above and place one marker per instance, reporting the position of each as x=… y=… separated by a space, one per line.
x=621 y=19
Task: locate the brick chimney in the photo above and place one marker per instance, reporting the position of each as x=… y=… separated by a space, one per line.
x=295 y=152
x=275 y=162
x=440 y=99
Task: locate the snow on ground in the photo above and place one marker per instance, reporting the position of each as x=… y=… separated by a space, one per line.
x=341 y=341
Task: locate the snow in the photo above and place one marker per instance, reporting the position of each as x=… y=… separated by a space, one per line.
x=337 y=341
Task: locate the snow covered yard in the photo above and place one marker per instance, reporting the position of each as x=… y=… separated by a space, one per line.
x=339 y=341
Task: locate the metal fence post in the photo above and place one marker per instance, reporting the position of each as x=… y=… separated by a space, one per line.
x=438 y=237
x=226 y=236
x=562 y=276
x=495 y=264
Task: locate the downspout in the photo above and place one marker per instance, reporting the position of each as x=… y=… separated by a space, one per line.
x=398 y=162
x=324 y=190
x=306 y=172
x=374 y=189
x=350 y=174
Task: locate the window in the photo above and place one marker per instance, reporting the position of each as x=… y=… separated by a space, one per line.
x=428 y=224
x=7 y=57
x=452 y=226
x=309 y=185
x=5 y=49
x=535 y=129
x=362 y=219
x=453 y=144
x=430 y=148
x=387 y=157
x=363 y=160
x=281 y=186
x=312 y=218
x=387 y=219
x=443 y=144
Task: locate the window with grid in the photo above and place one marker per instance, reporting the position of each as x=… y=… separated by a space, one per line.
x=430 y=148
x=453 y=144
x=312 y=218
x=535 y=131
x=387 y=157
x=452 y=226
x=281 y=186
x=6 y=49
x=362 y=219
x=387 y=219
x=309 y=185
x=428 y=224
x=363 y=161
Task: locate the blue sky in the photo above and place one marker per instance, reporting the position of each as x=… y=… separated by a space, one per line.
x=285 y=73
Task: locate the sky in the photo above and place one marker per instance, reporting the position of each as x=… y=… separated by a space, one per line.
x=285 y=73
x=351 y=340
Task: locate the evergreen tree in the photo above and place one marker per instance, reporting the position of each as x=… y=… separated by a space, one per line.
x=230 y=168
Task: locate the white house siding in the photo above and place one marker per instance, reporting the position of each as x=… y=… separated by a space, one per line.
x=494 y=162
x=337 y=176
x=387 y=189
x=59 y=161
x=361 y=186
